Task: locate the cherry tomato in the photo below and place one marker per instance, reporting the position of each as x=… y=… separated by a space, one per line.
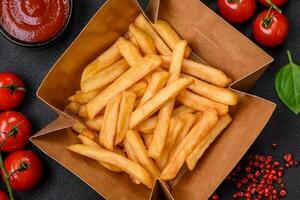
x=25 y=169
x=275 y=2
x=3 y=196
x=237 y=11
x=17 y=125
x=12 y=91
x=270 y=28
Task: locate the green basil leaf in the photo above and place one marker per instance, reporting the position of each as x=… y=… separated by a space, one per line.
x=287 y=85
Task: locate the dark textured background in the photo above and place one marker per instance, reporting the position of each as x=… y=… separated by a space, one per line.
x=58 y=183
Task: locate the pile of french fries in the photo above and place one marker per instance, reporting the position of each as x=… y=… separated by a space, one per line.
x=144 y=108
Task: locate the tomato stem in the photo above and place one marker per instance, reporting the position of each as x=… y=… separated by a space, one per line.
x=23 y=166
x=273 y=6
x=267 y=21
x=290 y=57
x=6 y=177
x=13 y=87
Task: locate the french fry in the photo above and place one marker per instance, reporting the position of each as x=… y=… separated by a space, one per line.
x=136 y=142
x=147 y=139
x=83 y=97
x=182 y=110
x=218 y=94
x=161 y=47
x=105 y=77
x=132 y=39
x=158 y=81
x=196 y=154
x=88 y=133
x=200 y=103
x=130 y=151
x=189 y=120
x=164 y=116
x=176 y=125
x=131 y=54
x=78 y=126
x=148 y=125
x=139 y=88
x=169 y=35
x=198 y=132
x=131 y=76
x=110 y=121
x=95 y=124
x=132 y=156
x=145 y=41
x=87 y=141
x=83 y=112
x=130 y=167
x=126 y=108
x=106 y=59
x=201 y=71
x=73 y=107
x=158 y=100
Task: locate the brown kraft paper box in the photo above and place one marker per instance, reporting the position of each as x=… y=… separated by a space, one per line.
x=215 y=42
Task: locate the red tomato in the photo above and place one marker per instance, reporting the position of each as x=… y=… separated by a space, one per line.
x=237 y=11
x=26 y=168
x=16 y=124
x=12 y=91
x=3 y=196
x=276 y=2
x=270 y=29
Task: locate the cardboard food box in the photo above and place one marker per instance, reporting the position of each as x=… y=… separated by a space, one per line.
x=214 y=41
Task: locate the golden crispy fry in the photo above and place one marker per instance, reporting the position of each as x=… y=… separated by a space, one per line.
x=110 y=121
x=126 y=108
x=181 y=110
x=136 y=142
x=132 y=156
x=169 y=35
x=198 y=132
x=95 y=124
x=139 y=88
x=200 y=103
x=148 y=125
x=105 y=77
x=73 y=107
x=164 y=116
x=218 y=94
x=131 y=54
x=130 y=167
x=88 y=133
x=176 y=125
x=131 y=76
x=87 y=141
x=158 y=81
x=158 y=100
x=145 y=42
x=189 y=120
x=147 y=139
x=83 y=112
x=84 y=97
x=201 y=71
x=161 y=47
x=106 y=59
x=132 y=39
x=130 y=151
x=196 y=154
x=78 y=126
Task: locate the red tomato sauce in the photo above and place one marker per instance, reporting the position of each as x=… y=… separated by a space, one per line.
x=34 y=21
